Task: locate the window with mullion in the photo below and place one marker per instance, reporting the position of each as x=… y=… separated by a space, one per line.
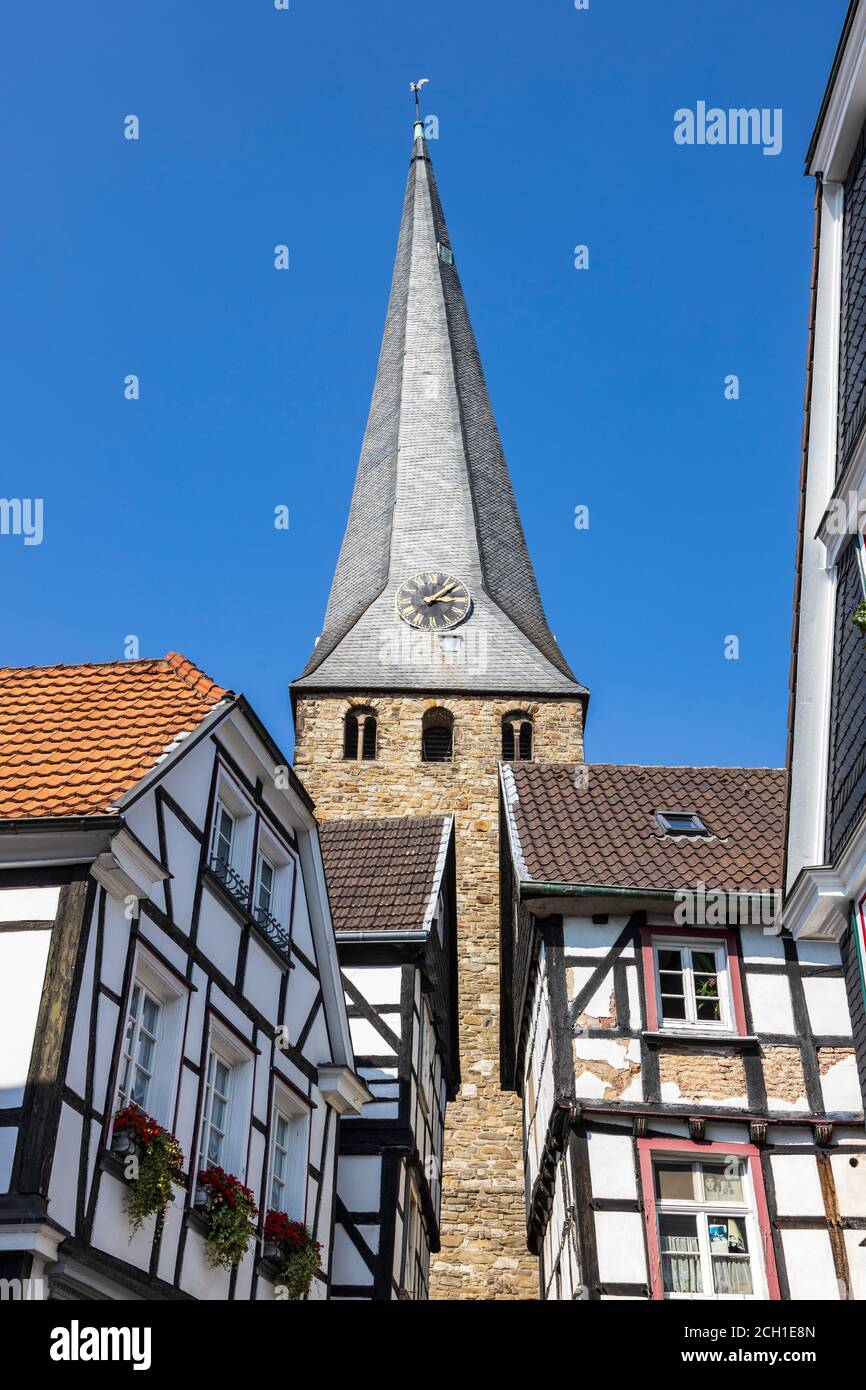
x=691 y=982
x=705 y=1215
x=138 y=1061
x=214 y=1120
x=224 y=832
x=265 y=885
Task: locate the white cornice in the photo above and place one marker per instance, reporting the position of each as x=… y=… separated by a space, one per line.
x=343 y=1090
x=846 y=107
x=819 y=901
x=127 y=869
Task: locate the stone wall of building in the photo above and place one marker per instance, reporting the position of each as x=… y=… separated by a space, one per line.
x=484 y=1251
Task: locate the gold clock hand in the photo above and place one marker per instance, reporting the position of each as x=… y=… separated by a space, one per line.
x=435 y=598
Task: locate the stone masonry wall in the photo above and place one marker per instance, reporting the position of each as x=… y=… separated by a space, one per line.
x=484 y=1253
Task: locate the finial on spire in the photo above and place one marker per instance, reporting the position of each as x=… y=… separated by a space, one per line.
x=416 y=88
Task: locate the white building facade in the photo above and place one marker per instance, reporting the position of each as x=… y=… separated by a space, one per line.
x=166 y=940
x=693 y=1123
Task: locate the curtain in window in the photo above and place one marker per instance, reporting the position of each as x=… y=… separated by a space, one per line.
x=681 y=1264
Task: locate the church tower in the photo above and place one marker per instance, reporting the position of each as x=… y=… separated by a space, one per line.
x=435 y=662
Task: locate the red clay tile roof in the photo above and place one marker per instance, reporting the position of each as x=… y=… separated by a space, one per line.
x=381 y=872
x=605 y=833
x=73 y=739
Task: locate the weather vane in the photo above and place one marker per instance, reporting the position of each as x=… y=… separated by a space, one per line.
x=416 y=88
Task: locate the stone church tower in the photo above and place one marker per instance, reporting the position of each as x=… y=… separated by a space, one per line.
x=436 y=661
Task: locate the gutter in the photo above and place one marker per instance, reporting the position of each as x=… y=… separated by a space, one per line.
x=380 y=936
x=529 y=889
x=46 y=824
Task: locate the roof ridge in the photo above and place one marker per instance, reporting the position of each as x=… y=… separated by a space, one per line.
x=659 y=767
x=199 y=681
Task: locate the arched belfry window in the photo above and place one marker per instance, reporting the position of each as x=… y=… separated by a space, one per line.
x=437 y=736
x=517 y=737
x=359 y=736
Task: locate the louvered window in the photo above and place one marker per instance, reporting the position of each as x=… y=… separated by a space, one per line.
x=437 y=736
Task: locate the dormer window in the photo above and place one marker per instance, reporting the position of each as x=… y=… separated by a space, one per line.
x=681 y=823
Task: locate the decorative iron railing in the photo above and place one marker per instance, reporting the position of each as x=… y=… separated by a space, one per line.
x=240 y=891
x=231 y=879
x=272 y=929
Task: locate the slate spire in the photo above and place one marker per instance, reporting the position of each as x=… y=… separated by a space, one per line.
x=433 y=493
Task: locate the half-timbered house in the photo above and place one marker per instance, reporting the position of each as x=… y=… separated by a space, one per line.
x=165 y=941
x=825 y=875
x=392 y=890
x=692 y=1120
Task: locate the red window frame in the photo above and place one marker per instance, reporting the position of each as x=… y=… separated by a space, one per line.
x=726 y=937
x=687 y=1149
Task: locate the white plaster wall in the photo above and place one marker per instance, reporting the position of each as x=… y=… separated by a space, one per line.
x=856 y=1252
x=588 y=938
x=827 y=1003
x=770 y=998
x=840 y=1088
x=611 y=1165
x=620 y=1242
x=798 y=1187
x=761 y=948
x=809 y=1262
x=849 y=1175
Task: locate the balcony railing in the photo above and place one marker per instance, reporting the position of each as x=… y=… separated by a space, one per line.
x=240 y=891
x=231 y=879
x=272 y=929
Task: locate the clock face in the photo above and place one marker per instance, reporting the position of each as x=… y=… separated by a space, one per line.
x=432 y=601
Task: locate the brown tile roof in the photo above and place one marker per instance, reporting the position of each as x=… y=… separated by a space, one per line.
x=381 y=872
x=606 y=834
x=73 y=739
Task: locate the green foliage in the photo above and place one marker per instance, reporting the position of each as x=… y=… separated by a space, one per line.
x=858 y=617
x=231 y=1213
x=157 y=1165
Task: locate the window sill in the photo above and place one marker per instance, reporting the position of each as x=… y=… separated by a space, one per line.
x=695 y=1038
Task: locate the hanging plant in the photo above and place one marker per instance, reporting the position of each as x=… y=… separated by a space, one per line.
x=858 y=617
x=231 y=1212
x=296 y=1255
x=155 y=1160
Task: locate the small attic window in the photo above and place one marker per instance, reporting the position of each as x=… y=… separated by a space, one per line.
x=445 y=253
x=681 y=823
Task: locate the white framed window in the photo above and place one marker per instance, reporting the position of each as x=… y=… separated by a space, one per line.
x=149 y=1063
x=231 y=838
x=290 y=1139
x=272 y=889
x=417 y=1255
x=215 y=1112
x=709 y=1245
x=226 y=1102
x=138 y=1059
x=224 y=834
x=266 y=876
x=692 y=987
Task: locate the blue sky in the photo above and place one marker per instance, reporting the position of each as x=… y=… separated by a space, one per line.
x=261 y=127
